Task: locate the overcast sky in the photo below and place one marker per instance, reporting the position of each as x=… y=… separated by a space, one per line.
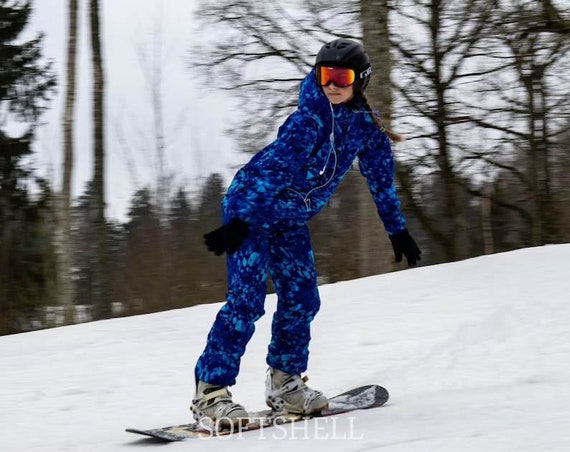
x=195 y=115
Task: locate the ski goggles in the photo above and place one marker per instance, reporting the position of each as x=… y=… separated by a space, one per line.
x=340 y=76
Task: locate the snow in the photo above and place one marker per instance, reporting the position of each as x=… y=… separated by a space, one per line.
x=475 y=354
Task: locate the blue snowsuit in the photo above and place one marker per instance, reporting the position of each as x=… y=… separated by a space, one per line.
x=276 y=193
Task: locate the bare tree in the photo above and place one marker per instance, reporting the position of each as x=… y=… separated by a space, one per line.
x=374 y=250
x=530 y=112
x=486 y=103
x=434 y=63
x=262 y=51
x=64 y=235
x=549 y=20
x=98 y=216
x=154 y=65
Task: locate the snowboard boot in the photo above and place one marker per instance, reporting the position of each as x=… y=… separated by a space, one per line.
x=214 y=404
x=289 y=394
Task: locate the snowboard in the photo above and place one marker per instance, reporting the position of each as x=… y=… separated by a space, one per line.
x=360 y=398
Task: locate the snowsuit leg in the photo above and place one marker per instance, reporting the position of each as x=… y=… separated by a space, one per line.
x=289 y=258
x=292 y=269
x=234 y=324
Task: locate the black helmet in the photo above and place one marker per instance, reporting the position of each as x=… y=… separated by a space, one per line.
x=349 y=54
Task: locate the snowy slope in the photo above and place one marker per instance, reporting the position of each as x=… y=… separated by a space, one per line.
x=476 y=355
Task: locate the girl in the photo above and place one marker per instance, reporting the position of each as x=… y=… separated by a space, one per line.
x=265 y=214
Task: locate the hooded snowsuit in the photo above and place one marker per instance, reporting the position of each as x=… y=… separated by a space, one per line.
x=276 y=193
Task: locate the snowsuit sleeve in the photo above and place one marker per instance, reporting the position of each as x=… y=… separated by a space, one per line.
x=253 y=192
x=377 y=165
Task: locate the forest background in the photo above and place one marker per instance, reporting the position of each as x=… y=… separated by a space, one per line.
x=479 y=88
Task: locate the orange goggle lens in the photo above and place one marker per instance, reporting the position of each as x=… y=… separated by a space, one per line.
x=340 y=76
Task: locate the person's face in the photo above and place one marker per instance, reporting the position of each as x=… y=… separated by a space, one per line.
x=337 y=83
x=337 y=95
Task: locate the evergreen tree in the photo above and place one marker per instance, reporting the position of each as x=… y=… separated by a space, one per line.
x=142 y=280
x=211 y=272
x=210 y=210
x=25 y=86
x=180 y=213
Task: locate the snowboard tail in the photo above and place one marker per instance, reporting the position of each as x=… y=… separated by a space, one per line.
x=360 y=398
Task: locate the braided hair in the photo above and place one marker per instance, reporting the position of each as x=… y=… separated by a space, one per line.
x=360 y=101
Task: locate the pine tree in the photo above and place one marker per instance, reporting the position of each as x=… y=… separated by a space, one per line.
x=25 y=86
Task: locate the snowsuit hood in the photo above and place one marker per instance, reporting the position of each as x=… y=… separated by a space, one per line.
x=312 y=100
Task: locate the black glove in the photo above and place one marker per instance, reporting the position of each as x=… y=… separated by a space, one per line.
x=227 y=238
x=404 y=244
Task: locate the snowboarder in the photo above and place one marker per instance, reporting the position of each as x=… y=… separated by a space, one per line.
x=265 y=214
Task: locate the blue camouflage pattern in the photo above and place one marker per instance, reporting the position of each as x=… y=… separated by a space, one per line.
x=287 y=256
x=276 y=193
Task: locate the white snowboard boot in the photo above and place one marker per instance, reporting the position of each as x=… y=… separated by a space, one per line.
x=213 y=404
x=289 y=393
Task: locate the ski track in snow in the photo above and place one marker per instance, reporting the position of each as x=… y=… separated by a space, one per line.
x=475 y=354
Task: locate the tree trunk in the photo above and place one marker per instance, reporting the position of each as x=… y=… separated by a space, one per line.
x=487 y=221
x=98 y=158
x=376 y=40
x=64 y=236
x=451 y=214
